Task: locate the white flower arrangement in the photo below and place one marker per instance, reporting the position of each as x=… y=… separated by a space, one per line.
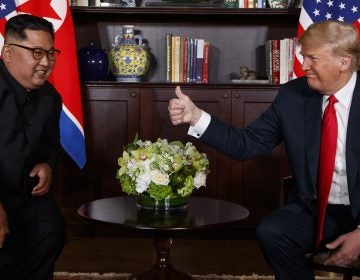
x=162 y=169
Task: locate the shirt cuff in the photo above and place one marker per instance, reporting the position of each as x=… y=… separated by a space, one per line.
x=199 y=128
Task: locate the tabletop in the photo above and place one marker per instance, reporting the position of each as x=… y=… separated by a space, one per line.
x=202 y=213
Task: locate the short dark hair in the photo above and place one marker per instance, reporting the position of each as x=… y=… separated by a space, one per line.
x=17 y=25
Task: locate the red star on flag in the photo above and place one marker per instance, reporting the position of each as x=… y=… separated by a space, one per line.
x=41 y=10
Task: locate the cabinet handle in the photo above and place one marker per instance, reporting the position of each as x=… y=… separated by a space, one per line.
x=237 y=95
x=225 y=95
x=133 y=94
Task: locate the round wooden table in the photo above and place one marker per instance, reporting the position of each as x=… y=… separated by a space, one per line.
x=202 y=213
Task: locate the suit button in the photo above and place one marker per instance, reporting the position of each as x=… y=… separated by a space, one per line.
x=29 y=123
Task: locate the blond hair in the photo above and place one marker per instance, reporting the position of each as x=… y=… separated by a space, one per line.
x=342 y=37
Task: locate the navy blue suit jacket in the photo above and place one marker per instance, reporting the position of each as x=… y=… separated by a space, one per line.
x=295 y=119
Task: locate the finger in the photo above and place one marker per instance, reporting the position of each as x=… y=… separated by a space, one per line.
x=177 y=118
x=176 y=111
x=333 y=245
x=174 y=104
x=33 y=172
x=179 y=93
x=39 y=192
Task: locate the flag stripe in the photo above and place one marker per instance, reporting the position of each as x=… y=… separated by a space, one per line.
x=75 y=145
x=73 y=119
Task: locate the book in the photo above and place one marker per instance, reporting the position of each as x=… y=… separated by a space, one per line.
x=181 y=59
x=205 y=74
x=199 y=60
x=275 y=61
x=284 y=60
x=185 y=59
x=193 y=74
x=168 y=38
x=292 y=47
x=190 y=60
x=261 y=70
x=268 y=58
x=176 y=59
x=172 y=58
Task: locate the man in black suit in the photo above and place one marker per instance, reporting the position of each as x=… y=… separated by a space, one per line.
x=331 y=58
x=32 y=230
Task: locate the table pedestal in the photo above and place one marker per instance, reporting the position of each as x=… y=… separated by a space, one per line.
x=162 y=269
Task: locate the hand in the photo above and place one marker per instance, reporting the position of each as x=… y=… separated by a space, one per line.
x=183 y=110
x=347 y=249
x=43 y=171
x=4 y=229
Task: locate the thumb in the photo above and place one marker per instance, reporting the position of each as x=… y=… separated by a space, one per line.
x=33 y=172
x=179 y=93
x=333 y=245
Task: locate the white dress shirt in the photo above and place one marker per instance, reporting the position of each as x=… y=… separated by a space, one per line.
x=339 y=191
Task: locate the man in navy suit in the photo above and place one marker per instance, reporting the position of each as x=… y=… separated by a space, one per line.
x=32 y=231
x=331 y=58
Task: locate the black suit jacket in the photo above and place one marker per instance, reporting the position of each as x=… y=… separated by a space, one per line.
x=24 y=144
x=295 y=119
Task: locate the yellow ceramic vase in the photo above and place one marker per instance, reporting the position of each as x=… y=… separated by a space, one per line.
x=129 y=58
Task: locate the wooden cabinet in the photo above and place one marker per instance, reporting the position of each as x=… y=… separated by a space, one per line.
x=115 y=112
x=255 y=183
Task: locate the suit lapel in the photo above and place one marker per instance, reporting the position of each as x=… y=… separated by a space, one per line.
x=353 y=142
x=313 y=115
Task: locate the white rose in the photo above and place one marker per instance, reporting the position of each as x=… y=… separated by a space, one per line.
x=160 y=178
x=200 y=179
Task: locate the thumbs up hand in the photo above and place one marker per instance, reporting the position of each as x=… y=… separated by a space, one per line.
x=182 y=109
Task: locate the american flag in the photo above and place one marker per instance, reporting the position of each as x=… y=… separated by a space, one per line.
x=320 y=10
x=65 y=76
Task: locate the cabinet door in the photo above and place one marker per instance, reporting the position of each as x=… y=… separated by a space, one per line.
x=111 y=121
x=155 y=123
x=255 y=183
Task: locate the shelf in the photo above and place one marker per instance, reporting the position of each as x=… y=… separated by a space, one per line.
x=184 y=10
x=114 y=84
x=234 y=34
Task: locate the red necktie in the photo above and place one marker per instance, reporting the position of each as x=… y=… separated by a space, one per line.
x=329 y=132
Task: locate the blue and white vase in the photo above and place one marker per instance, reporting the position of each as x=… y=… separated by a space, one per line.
x=129 y=57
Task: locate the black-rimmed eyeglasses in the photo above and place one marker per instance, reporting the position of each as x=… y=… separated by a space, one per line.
x=39 y=53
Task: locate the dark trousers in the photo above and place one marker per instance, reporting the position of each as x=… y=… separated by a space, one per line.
x=37 y=237
x=287 y=234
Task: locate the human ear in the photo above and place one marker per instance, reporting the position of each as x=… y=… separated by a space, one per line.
x=345 y=62
x=6 y=53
